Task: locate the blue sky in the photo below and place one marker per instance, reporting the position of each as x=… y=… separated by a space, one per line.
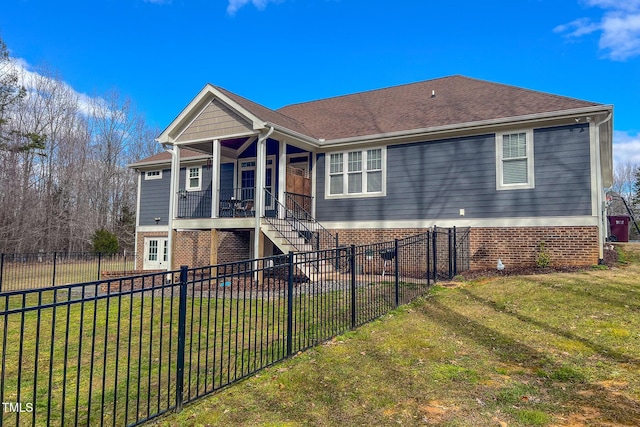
x=160 y=53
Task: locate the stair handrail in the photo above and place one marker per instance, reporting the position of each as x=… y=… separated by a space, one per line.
x=310 y=218
x=297 y=225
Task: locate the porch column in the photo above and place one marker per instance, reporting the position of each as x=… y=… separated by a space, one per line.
x=282 y=179
x=215 y=178
x=175 y=182
x=174 y=186
x=258 y=197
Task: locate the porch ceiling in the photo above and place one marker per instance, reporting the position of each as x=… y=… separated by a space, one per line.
x=228 y=145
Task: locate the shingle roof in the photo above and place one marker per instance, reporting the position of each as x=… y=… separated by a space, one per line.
x=457 y=100
x=165 y=157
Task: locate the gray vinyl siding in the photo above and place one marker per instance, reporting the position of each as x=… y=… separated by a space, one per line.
x=434 y=180
x=154 y=196
x=154 y=199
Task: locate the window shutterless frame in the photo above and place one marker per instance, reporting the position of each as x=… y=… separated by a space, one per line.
x=356 y=173
x=194 y=178
x=514 y=160
x=156 y=174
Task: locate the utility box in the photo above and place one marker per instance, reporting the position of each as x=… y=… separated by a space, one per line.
x=619 y=227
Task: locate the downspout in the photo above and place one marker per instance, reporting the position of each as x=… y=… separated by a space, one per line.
x=259 y=196
x=602 y=226
x=172 y=200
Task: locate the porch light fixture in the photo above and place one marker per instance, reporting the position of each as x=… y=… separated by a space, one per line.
x=157 y=219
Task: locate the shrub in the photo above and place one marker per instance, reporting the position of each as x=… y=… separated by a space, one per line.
x=104 y=242
x=543 y=259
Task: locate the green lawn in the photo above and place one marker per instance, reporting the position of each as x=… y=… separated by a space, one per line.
x=114 y=360
x=18 y=276
x=547 y=350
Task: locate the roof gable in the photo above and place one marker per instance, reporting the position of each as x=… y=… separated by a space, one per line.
x=215 y=119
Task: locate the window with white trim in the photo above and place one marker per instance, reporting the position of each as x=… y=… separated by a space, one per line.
x=356 y=173
x=153 y=175
x=194 y=178
x=514 y=160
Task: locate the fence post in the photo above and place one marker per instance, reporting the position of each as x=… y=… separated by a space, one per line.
x=450 y=254
x=455 y=252
x=435 y=254
x=182 y=319
x=337 y=254
x=99 y=264
x=290 y=305
x=352 y=261
x=53 y=279
x=429 y=237
x=397 y=275
x=1 y=269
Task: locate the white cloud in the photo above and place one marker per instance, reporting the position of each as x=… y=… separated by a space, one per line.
x=619 y=28
x=29 y=79
x=157 y=1
x=235 y=5
x=626 y=148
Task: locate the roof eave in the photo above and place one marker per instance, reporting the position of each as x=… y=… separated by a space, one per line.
x=297 y=135
x=144 y=165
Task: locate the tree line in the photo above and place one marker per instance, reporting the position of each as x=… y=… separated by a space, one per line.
x=63 y=158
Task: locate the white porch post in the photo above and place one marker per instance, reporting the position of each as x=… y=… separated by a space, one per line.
x=282 y=179
x=258 y=196
x=215 y=178
x=174 y=185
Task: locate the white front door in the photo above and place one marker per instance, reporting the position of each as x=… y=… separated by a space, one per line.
x=155 y=253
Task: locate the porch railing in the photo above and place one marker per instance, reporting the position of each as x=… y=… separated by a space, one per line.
x=236 y=203
x=232 y=203
x=194 y=204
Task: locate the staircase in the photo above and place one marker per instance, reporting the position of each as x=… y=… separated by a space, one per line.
x=300 y=233
x=285 y=236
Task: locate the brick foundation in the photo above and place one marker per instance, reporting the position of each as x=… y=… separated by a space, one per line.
x=519 y=246
x=515 y=246
x=366 y=237
x=233 y=246
x=192 y=248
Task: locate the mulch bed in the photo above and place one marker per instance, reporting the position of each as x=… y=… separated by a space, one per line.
x=610 y=260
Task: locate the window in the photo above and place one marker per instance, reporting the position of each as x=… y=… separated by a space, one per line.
x=153 y=175
x=194 y=177
x=356 y=173
x=514 y=160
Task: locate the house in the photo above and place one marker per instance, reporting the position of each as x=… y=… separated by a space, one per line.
x=238 y=180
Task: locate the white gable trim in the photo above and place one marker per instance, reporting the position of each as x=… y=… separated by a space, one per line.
x=199 y=104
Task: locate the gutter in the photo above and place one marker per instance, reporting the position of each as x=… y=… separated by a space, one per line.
x=600 y=201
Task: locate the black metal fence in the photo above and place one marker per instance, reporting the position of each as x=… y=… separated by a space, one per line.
x=44 y=269
x=122 y=352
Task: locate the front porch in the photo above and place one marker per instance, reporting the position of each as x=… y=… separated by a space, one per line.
x=237 y=203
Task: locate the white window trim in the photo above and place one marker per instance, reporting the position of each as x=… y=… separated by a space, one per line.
x=345 y=173
x=148 y=177
x=188 y=180
x=530 y=163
